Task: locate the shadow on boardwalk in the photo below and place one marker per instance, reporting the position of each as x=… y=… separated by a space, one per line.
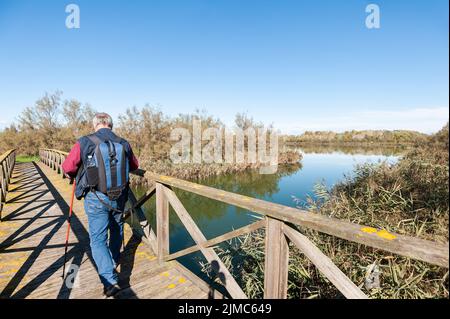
x=33 y=198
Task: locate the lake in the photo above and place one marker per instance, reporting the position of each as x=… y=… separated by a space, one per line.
x=326 y=165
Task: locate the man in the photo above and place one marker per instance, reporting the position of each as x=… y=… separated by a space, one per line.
x=101 y=162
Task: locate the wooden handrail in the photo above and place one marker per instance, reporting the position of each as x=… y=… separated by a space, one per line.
x=416 y=248
x=6 y=154
x=278 y=233
x=7 y=162
x=55 y=151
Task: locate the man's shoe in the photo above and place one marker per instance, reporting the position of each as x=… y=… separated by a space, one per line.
x=112 y=290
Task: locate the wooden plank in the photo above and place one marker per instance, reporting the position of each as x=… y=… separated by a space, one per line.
x=229 y=282
x=276 y=261
x=217 y=240
x=416 y=248
x=324 y=264
x=214 y=294
x=162 y=222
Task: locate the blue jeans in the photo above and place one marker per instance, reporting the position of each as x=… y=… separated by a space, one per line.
x=101 y=219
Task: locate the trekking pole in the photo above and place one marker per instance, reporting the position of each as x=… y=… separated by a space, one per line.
x=68 y=229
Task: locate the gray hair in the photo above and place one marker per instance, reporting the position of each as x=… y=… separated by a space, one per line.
x=102 y=118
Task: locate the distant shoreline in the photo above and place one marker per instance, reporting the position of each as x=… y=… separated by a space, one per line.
x=333 y=143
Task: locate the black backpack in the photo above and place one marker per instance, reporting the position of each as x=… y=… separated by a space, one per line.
x=105 y=169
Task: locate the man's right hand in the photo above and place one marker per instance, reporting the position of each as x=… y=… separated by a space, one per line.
x=69 y=177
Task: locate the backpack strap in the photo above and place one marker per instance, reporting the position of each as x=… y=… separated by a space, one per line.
x=111 y=149
x=95 y=139
x=113 y=163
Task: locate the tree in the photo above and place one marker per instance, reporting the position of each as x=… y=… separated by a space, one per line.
x=41 y=121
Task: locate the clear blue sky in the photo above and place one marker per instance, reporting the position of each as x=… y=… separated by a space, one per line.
x=297 y=64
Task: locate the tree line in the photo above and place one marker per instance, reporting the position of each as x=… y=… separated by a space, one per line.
x=51 y=122
x=54 y=122
x=395 y=137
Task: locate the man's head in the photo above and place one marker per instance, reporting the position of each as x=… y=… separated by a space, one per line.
x=102 y=120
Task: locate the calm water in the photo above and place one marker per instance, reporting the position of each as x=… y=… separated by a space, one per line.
x=324 y=165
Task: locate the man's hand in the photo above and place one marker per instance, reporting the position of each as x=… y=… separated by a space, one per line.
x=69 y=177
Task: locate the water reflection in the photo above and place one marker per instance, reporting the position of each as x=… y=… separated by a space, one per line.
x=320 y=164
x=391 y=150
x=206 y=212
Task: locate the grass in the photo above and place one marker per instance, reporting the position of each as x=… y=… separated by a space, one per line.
x=26 y=158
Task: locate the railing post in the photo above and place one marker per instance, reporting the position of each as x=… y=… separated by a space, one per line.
x=13 y=163
x=63 y=158
x=162 y=222
x=5 y=177
x=6 y=168
x=276 y=261
x=52 y=160
x=59 y=163
x=2 y=189
x=7 y=171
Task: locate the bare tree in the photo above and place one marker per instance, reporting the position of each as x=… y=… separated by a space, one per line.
x=42 y=120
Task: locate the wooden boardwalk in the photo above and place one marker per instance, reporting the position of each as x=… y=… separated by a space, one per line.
x=32 y=236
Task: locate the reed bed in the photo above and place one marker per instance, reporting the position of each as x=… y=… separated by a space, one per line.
x=192 y=171
x=410 y=197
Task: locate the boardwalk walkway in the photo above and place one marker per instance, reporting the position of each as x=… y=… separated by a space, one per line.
x=32 y=236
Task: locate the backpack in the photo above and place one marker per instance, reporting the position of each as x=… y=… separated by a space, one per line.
x=106 y=167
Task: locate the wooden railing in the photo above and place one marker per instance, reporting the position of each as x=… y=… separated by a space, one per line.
x=280 y=222
x=7 y=161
